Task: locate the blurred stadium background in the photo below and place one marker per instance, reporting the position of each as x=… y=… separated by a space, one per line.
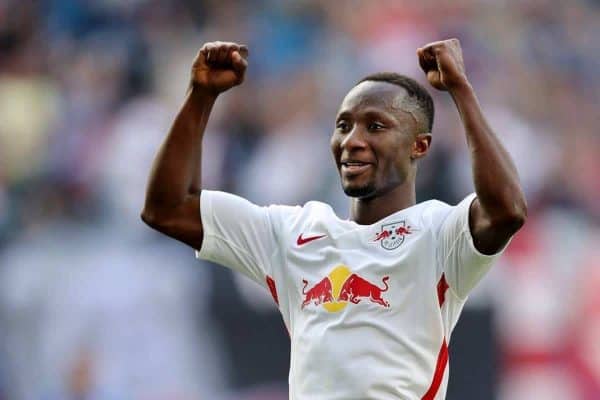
x=93 y=305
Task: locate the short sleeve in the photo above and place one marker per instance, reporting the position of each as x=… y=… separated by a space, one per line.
x=463 y=265
x=237 y=234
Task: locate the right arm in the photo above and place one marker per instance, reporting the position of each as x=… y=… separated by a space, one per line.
x=172 y=204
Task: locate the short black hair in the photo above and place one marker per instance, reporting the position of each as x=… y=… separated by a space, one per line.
x=415 y=91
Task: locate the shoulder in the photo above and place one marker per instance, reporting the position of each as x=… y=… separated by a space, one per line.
x=317 y=208
x=438 y=214
x=230 y=204
x=431 y=212
x=312 y=210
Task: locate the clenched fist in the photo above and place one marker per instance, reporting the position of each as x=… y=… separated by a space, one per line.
x=443 y=64
x=219 y=66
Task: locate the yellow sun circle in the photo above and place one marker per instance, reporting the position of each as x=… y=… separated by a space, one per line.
x=337 y=277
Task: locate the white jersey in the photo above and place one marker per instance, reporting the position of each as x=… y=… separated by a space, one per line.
x=369 y=308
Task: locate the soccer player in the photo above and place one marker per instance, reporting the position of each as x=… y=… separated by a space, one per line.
x=369 y=302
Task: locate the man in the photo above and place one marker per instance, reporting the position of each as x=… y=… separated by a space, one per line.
x=369 y=302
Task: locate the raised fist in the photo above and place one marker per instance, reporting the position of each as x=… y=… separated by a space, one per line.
x=443 y=64
x=219 y=66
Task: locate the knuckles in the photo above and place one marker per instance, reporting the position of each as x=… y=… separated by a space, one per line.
x=442 y=46
x=220 y=52
x=442 y=63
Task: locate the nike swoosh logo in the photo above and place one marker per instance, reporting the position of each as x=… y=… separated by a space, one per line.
x=302 y=240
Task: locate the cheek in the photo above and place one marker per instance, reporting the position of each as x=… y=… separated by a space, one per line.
x=334 y=144
x=402 y=159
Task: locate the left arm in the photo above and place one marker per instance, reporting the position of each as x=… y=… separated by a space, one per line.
x=500 y=208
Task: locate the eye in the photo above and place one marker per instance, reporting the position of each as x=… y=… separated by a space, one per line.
x=342 y=126
x=376 y=126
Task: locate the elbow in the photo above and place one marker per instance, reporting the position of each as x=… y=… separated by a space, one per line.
x=152 y=219
x=514 y=217
x=148 y=218
x=520 y=212
x=160 y=220
x=517 y=220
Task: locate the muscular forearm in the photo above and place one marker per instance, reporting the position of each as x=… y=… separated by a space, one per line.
x=494 y=174
x=172 y=199
x=176 y=171
x=500 y=208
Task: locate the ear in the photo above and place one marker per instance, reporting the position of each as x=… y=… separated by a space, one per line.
x=420 y=146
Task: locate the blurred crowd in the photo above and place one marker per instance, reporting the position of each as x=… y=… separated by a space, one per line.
x=94 y=305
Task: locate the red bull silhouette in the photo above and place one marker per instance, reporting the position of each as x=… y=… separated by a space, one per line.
x=320 y=293
x=382 y=235
x=356 y=288
x=401 y=230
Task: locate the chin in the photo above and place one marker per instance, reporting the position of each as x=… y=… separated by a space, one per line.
x=361 y=192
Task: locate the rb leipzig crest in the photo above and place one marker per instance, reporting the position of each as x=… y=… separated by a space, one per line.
x=392 y=234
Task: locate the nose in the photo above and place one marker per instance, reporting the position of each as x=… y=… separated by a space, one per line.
x=355 y=139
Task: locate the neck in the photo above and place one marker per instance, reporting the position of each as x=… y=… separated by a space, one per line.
x=371 y=210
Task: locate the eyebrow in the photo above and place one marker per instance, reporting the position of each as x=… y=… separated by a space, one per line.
x=369 y=113
x=342 y=115
x=378 y=114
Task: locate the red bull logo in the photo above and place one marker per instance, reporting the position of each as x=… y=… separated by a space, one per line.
x=341 y=287
x=356 y=288
x=382 y=235
x=392 y=234
x=318 y=294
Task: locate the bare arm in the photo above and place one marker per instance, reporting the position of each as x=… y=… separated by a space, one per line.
x=172 y=203
x=500 y=209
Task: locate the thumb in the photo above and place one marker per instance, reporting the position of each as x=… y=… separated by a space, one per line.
x=238 y=62
x=421 y=58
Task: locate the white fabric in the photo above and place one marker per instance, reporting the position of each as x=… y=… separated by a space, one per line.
x=386 y=345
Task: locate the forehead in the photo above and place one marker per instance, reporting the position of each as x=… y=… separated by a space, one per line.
x=377 y=96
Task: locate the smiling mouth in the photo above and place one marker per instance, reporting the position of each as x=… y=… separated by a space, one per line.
x=351 y=168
